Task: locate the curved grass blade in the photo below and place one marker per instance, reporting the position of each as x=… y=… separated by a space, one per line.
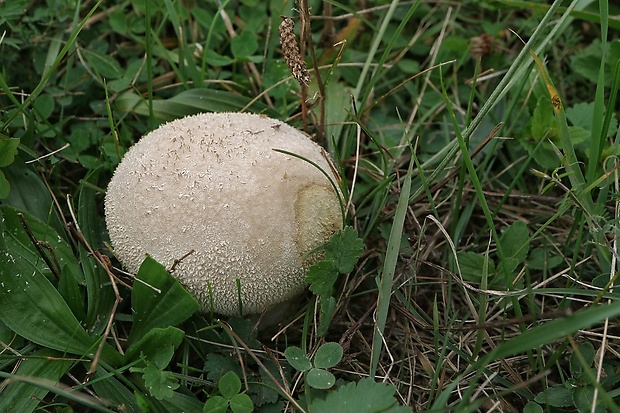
x=99 y=291
x=23 y=397
x=389 y=267
x=533 y=338
x=191 y=102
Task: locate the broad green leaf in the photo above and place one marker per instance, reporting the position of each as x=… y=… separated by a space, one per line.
x=580 y=114
x=583 y=397
x=217 y=364
x=543 y=127
x=587 y=352
x=102 y=64
x=244 y=45
x=58 y=251
x=216 y=404
x=241 y=403
x=275 y=72
x=69 y=288
x=365 y=396
x=30 y=194
x=532 y=407
x=99 y=291
x=337 y=110
x=8 y=336
x=229 y=385
x=118 y=21
x=543 y=124
x=142 y=401
x=5 y=186
x=112 y=391
x=321 y=277
x=328 y=308
x=33 y=308
x=8 y=150
x=297 y=358
x=160 y=384
x=157 y=346
x=21 y=397
x=182 y=403
x=158 y=300
x=543 y=258
x=265 y=393
x=215 y=59
x=89 y=201
x=472 y=265
x=328 y=355
x=44 y=106
x=556 y=396
x=579 y=135
x=344 y=249
x=515 y=244
x=245 y=329
x=320 y=379
x=543 y=153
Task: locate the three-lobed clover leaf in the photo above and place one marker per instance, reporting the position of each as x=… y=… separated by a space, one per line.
x=229 y=387
x=297 y=358
x=327 y=355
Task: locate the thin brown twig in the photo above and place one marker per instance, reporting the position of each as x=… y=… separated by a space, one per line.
x=304 y=87
x=177 y=261
x=54 y=267
x=328 y=32
x=306 y=41
x=117 y=296
x=238 y=339
x=550 y=315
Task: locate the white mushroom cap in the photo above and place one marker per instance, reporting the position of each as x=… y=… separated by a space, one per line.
x=212 y=184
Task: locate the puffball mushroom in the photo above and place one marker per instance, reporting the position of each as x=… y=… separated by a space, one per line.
x=208 y=194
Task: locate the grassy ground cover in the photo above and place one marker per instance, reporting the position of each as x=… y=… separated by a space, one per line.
x=478 y=146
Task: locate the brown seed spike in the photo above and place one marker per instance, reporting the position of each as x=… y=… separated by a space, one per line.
x=290 y=50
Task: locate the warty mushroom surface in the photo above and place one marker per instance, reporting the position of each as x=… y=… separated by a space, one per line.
x=213 y=184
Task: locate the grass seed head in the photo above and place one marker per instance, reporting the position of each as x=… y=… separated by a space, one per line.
x=290 y=50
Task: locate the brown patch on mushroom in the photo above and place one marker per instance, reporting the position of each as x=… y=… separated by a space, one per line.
x=315 y=205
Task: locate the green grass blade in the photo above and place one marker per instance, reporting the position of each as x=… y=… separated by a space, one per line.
x=599 y=134
x=536 y=337
x=614 y=21
x=515 y=73
x=374 y=47
x=99 y=291
x=389 y=266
